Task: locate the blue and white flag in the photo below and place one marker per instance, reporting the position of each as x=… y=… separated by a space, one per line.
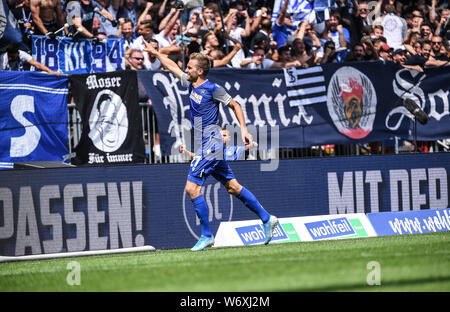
x=33 y=117
x=79 y=57
x=9 y=28
x=300 y=10
x=305 y=86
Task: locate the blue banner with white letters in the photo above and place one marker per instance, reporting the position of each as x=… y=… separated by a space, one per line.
x=343 y=103
x=410 y=222
x=33 y=117
x=65 y=55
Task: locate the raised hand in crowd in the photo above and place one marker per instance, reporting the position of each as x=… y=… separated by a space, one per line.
x=144 y=14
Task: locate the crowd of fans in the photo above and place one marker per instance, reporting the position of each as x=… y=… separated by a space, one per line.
x=245 y=33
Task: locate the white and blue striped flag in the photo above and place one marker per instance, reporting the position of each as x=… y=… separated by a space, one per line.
x=305 y=86
x=300 y=9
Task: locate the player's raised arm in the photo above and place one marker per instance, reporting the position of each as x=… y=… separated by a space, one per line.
x=165 y=61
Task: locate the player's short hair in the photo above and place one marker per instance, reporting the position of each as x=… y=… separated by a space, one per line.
x=202 y=61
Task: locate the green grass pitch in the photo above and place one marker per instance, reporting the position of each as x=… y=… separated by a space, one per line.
x=406 y=263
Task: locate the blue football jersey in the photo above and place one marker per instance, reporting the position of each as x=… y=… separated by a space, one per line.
x=204 y=113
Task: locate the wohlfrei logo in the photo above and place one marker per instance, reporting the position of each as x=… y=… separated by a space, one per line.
x=337 y=227
x=352 y=102
x=108 y=121
x=254 y=234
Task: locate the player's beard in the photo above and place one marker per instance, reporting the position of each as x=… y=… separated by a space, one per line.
x=192 y=78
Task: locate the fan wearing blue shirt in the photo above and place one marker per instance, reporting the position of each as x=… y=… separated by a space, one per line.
x=205 y=98
x=336 y=32
x=283 y=26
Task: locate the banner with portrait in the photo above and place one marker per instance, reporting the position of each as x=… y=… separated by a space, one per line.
x=112 y=127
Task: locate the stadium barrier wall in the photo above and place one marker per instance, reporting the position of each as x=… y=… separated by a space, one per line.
x=344 y=226
x=97 y=208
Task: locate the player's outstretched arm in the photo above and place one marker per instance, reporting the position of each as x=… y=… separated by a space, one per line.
x=237 y=109
x=165 y=61
x=250 y=146
x=183 y=150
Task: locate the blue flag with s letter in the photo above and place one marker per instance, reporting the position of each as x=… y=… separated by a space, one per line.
x=33 y=117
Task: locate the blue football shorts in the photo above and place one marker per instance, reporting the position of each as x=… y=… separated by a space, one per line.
x=202 y=167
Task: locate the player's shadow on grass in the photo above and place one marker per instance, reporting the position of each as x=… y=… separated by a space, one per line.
x=365 y=287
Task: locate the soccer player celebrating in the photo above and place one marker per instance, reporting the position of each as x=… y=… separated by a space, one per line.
x=205 y=98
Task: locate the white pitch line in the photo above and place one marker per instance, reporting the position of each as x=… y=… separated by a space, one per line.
x=77 y=254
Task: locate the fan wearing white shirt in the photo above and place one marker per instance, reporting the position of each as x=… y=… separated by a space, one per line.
x=106 y=25
x=126 y=28
x=152 y=62
x=146 y=36
x=395 y=27
x=15 y=59
x=237 y=32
